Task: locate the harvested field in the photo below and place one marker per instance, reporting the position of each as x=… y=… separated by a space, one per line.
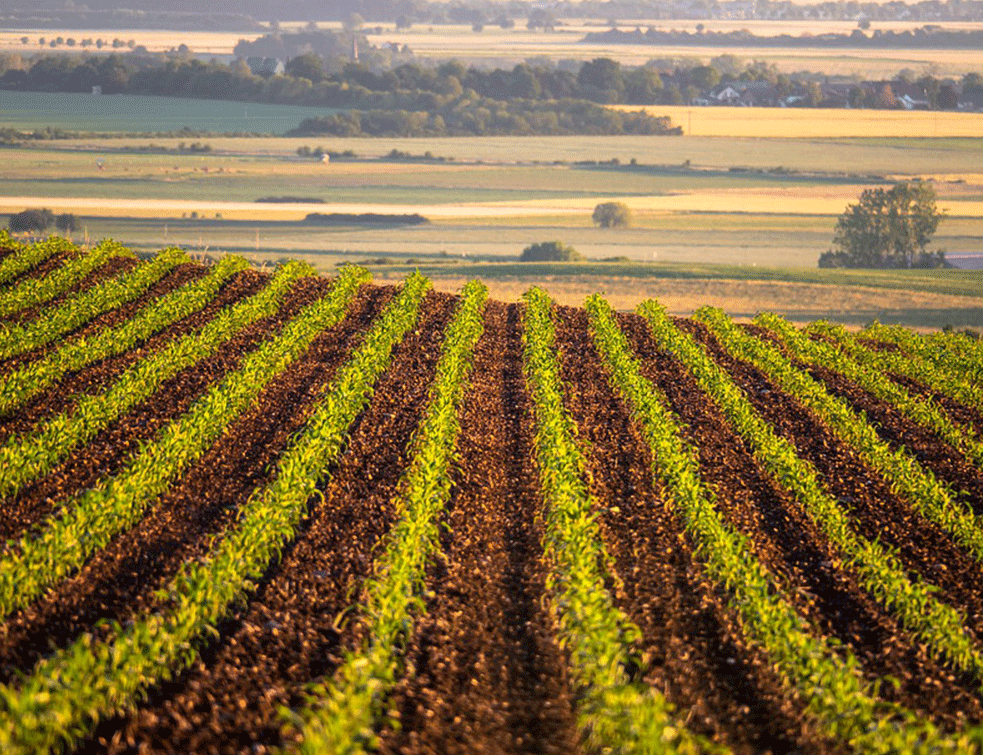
x=387 y=519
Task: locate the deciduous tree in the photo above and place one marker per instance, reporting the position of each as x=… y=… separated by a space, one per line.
x=888 y=228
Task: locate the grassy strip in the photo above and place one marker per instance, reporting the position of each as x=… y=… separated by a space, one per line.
x=26 y=382
x=831 y=684
x=27 y=456
x=923 y=491
x=23 y=257
x=924 y=412
x=35 y=291
x=615 y=714
x=939 y=626
x=70 y=691
x=82 y=307
x=343 y=712
x=88 y=522
x=928 y=361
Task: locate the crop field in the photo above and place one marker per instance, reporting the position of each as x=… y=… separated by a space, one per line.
x=257 y=512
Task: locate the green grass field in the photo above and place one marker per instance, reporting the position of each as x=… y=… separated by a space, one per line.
x=134 y=113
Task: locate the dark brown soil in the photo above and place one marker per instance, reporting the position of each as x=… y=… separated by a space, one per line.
x=488 y=676
x=878 y=514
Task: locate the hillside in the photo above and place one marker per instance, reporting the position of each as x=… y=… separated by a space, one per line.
x=247 y=511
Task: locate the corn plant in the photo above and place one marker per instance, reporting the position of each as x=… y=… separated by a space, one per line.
x=24 y=257
x=66 y=695
x=918 y=485
x=23 y=383
x=27 y=456
x=343 y=712
x=616 y=714
x=830 y=683
x=35 y=291
x=938 y=626
x=85 y=305
x=958 y=376
x=88 y=522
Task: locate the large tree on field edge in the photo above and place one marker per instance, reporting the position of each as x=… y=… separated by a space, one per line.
x=888 y=228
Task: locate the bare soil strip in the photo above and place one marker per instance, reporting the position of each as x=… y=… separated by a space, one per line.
x=878 y=514
x=489 y=677
x=110 y=448
x=288 y=635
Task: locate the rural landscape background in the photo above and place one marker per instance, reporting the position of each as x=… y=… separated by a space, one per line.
x=491 y=377
x=748 y=187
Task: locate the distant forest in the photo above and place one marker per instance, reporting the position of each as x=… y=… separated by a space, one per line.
x=242 y=15
x=406 y=100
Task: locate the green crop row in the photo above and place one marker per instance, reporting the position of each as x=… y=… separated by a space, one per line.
x=924 y=412
x=939 y=626
x=66 y=695
x=27 y=456
x=23 y=257
x=85 y=305
x=343 y=712
x=964 y=383
x=35 y=291
x=950 y=354
x=842 y=703
x=88 y=522
x=920 y=488
x=24 y=383
x=615 y=714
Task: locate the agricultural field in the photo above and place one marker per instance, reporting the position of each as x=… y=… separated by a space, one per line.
x=273 y=511
x=762 y=201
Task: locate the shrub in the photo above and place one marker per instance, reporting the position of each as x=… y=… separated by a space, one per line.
x=31 y=221
x=550 y=251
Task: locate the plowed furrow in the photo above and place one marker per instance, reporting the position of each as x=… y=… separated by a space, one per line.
x=288 y=635
x=487 y=676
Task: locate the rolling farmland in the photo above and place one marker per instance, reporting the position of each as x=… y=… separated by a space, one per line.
x=258 y=512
